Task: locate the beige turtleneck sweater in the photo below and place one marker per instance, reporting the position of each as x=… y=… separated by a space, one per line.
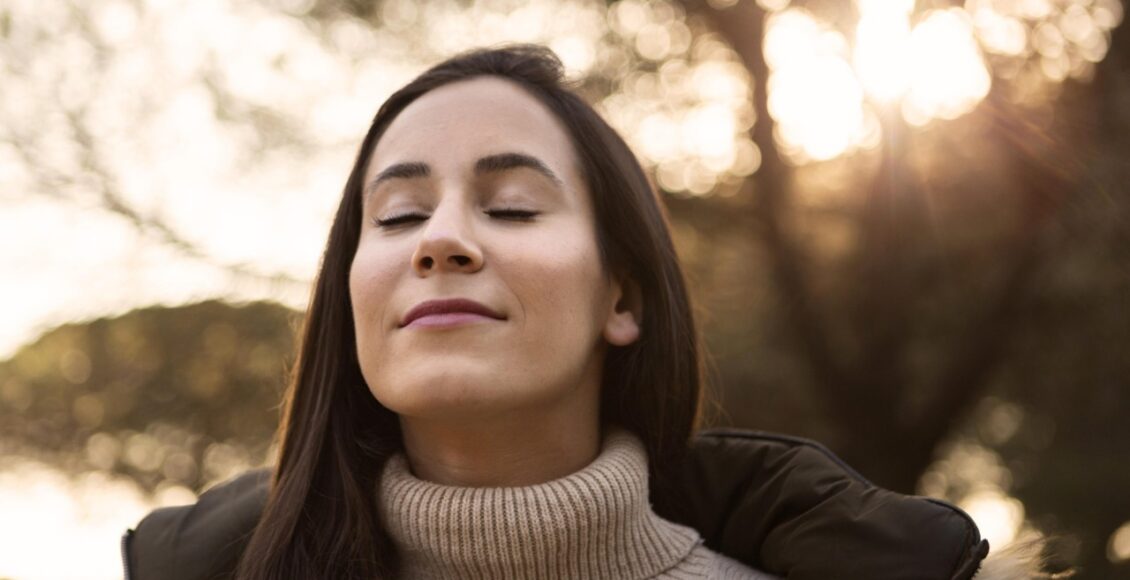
x=595 y=523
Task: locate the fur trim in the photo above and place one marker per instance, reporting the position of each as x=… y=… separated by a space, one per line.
x=1020 y=560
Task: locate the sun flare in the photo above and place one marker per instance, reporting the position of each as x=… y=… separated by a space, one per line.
x=926 y=63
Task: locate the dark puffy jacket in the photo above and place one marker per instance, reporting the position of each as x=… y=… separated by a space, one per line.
x=781 y=504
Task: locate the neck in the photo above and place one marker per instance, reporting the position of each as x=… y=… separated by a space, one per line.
x=595 y=523
x=504 y=450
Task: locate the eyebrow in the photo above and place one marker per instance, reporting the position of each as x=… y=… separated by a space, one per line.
x=496 y=163
x=505 y=161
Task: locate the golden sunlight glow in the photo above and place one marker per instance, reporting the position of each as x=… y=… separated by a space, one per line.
x=949 y=76
x=1118 y=548
x=997 y=515
x=935 y=67
x=977 y=478
x=932 y=64
x=689 y=120
x=166 y=152
x=172 y=106
x=881 y=57
x=44 y=509
x=999 y=33
x=814 y=94
x=1038 y=43
x=772 y=5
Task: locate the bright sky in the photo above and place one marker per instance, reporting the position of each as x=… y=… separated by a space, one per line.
x=46 y=512
x=158 y=138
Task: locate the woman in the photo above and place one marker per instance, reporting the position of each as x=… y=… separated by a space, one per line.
x=499 y=378
x=500 y=323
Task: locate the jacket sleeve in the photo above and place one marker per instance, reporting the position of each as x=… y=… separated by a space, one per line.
x=790 y=507
x=203 y=541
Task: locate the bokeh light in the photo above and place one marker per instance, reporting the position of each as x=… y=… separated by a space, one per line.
x=686 y=108
x=814 y=95
x=998 y=516
x=975 y=478
x=1037 y=44
x=881 y=57
x=200 y=114
x=1118 y=547
x=931 y=63
x=45 y=509
x=949 y=78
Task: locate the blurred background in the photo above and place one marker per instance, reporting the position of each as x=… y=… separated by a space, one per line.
x=906 y=226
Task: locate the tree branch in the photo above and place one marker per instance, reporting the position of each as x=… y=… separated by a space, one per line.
x=112 y=201
x=743 y=27
x=1045 y=176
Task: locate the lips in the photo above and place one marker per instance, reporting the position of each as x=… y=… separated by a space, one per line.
x=448 y=306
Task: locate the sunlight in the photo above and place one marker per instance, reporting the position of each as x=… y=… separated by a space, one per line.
x=172 y=146
x=231 y=122
x=1000 y=34
x=813 y=92
x=949 y=75
x=707 y=131
x=45 y=509
x=935 y=67
x=1041 y=43
x=770 y=5
x=881 y=57
x=929 y=63
x=932 y=69
x=1118 y=548
x=998 y=516
x=688 y=120
x=976 y=478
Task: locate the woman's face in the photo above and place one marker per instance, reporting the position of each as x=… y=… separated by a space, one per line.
x=474 y=193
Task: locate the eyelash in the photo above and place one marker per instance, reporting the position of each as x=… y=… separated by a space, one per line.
x=520 y=215
x=397 y=220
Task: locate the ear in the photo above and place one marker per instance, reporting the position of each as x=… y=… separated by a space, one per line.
x=623 y=325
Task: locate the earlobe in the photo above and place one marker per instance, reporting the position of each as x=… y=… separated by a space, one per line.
x=623 y=325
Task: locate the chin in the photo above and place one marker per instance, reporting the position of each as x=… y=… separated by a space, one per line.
x=448 y=396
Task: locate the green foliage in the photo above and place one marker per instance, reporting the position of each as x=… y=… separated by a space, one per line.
x=184 y=395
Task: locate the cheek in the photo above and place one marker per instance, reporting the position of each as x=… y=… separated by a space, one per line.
x=371 y=278
x=563 y=290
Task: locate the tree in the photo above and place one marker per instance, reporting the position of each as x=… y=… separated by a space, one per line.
x=169 y=396
x=872 y=296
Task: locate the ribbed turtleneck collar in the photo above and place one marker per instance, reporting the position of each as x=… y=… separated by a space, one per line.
x=594 y=523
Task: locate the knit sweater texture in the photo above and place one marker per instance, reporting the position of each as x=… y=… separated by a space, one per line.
x=595 y=523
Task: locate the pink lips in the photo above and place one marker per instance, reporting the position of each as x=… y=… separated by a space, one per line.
x=450 y=312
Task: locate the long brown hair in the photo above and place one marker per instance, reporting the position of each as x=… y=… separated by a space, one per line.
x=321 y=518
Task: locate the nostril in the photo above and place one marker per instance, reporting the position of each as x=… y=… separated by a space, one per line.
x=427 y=262
x=461 y=260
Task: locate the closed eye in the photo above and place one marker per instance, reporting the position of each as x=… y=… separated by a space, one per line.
x=512 y=214
x=399 y=219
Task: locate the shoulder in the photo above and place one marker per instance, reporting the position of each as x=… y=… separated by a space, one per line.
x=202 y=540
x=789 y=506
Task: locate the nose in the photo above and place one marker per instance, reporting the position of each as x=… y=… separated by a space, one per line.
x=447 y=244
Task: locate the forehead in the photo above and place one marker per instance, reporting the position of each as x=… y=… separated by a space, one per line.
x=452 y=126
